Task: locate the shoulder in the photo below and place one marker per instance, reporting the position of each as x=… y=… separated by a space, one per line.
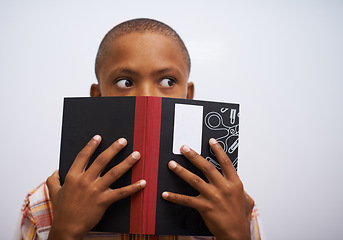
x=37 y=212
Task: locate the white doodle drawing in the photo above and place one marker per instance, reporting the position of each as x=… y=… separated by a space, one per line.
x=223 y=110
x=220 y=126
x=234 y=146
x=214 y=121
x=214 y=162
x=232 y=116
x=235 y=162
x=217 y=165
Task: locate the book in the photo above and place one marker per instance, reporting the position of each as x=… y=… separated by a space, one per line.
x=157 y=128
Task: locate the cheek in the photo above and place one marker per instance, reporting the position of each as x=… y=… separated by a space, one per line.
x=108 y=91
x=112 y=91
x=183 y=92
x=179 y=91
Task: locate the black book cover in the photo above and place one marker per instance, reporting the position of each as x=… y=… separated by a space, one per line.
x=156 y=127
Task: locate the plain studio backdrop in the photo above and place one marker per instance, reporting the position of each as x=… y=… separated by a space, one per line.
x=281 y=60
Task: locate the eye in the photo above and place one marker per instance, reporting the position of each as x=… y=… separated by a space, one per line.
x=124 y=83
x=167 y=82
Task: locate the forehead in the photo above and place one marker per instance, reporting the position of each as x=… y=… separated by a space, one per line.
x=144 y=51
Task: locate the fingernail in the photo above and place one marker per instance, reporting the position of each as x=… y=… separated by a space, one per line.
x=136 y=155
x=213 y=141
x=122 y=141
x=172 y=164
x=142 y=183
x=185 y=148
x=96 y=137
x=165 y=194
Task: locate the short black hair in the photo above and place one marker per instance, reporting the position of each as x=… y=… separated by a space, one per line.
x=140 y=25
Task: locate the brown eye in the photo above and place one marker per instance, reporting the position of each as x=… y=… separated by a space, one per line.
x=167 y=82
x=124 y=83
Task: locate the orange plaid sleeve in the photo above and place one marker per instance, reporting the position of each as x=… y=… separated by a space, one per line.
x=36 y=214
x=37 y=217
x=255 y=226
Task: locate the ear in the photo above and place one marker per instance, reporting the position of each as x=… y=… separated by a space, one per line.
x=190 y=90
x=95 y=90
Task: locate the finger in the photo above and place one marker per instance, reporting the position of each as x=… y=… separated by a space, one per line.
x=228 y=169
x=54 y=184
x=195 y=181
x=120 y=193
x=211 y=173
x=104 y=158
x=116 y=172
x=84 y=155
x=182 y=199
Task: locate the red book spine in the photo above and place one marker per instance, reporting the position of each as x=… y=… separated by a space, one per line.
x=147 y=142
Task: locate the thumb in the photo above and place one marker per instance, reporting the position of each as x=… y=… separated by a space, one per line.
x=54 y=184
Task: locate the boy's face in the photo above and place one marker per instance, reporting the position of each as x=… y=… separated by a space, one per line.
x=143 y=64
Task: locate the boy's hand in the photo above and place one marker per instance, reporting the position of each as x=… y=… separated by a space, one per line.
x=222 y=203
x=80 y=203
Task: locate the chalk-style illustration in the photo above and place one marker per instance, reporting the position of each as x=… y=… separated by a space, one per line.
x=235 y=162
x=223 y=110
x=214 y=121
x=217 y=165
x=220 y=126
x=234 y=146
x=232 y=116
x=214 y=162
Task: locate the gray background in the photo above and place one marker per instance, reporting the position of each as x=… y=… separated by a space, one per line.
x=281 y=60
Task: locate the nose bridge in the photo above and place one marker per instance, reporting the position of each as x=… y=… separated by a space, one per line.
x=146 y=88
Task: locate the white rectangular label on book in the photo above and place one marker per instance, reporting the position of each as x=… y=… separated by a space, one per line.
x=188 y=123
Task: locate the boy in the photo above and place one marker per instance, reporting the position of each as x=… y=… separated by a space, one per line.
x=140 y=57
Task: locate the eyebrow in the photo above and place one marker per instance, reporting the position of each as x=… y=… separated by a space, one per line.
x=165 y=70
x=132 y=72
x=126 y=71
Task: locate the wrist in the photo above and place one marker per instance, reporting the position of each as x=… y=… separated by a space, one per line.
x=236 y=237
x=60 y=233
x=240 y=234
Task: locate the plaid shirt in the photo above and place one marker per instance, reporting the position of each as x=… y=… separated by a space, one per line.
x=37 y=217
